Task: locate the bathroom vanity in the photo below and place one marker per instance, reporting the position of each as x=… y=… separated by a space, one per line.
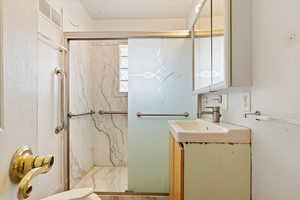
x=209 y=161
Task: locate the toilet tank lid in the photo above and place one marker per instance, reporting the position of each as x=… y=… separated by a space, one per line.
x=72 y=194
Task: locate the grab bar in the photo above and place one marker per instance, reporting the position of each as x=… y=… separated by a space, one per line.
x=61 y=117
x=139 y=114
x=71 y=115
x=102 y=112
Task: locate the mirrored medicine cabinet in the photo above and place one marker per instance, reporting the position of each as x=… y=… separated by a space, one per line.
x=221 y=36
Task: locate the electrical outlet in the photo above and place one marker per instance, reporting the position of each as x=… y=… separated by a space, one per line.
x=295 y=36
x=246 y=102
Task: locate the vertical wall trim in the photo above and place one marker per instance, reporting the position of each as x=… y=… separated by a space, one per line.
x=1 y=69
x=66 y=138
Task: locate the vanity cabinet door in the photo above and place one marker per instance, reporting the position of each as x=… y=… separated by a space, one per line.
x=176 y=170
x=217 y=171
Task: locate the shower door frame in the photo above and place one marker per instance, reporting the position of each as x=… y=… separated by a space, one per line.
x=68 y=37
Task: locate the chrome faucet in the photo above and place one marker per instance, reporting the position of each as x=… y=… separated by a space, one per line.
x=216 y=115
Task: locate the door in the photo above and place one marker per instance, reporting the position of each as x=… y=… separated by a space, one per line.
x=18 y=86
x=160 y=82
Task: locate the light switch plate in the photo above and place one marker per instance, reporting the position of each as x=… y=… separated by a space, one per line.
x=224 y=102
x=246 y=102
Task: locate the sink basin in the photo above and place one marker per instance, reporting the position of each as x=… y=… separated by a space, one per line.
x=201 y=131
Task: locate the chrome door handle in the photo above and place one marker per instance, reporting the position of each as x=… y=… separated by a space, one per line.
x=62 y=87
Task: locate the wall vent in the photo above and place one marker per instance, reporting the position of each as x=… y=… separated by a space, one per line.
x=45 y=8
x=56 y=17
x=52 y=14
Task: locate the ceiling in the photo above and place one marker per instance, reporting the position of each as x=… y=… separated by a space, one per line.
x=137 y=9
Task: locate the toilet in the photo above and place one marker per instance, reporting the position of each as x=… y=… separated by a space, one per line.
x=77 y=194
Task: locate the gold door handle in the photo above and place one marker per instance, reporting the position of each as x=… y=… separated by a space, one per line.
x=25 y=188
x=25 y=166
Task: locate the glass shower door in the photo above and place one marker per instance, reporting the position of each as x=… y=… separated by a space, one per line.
x=160 y=82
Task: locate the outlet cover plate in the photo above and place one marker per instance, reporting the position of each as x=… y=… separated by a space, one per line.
x=246 y=102
x=224 y=104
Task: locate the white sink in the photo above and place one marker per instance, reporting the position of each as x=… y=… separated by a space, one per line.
x=207 y=132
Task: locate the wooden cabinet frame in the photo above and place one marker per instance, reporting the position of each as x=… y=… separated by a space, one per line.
x=176 y=170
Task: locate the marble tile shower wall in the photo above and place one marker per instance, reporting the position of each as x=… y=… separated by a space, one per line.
x=96 y=140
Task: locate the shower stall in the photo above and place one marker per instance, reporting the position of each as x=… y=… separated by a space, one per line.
x=98 y=140
x=121 y=91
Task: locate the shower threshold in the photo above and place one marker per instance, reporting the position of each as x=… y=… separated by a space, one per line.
x=106 y=179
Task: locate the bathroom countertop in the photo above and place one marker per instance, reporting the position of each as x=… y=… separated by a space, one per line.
x=201 y=131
